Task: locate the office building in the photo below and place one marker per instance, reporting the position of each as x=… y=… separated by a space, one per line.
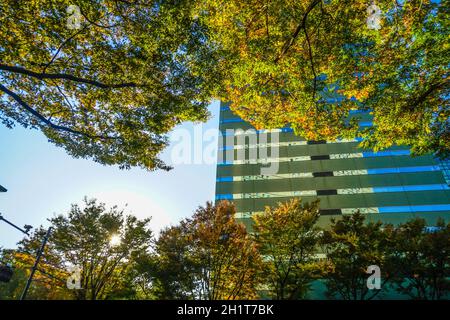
x=390 y=185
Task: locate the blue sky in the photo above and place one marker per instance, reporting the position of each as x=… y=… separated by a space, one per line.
x=42 y=180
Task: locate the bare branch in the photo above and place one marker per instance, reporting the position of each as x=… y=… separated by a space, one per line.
x=301 y=26
x=312 y=62
x=65 y=76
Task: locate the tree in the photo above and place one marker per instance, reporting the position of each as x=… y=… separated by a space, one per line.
x=104 y=79
x=351 y=245
x=419 y=260
x=209 y=256
x=287 y=238
x=83 y=239
x=142 y=276
x=284 y=62
x=12 y=289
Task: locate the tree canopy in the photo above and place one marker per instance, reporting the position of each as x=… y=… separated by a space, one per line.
x=308 y=63
x=82 y=240
x=104 y=79
x=209 y=256
x=419 y=261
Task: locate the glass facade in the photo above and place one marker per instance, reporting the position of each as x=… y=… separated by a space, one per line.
x=390 y=185
x=444 y=165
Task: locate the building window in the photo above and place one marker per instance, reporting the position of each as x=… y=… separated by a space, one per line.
x=445 y=167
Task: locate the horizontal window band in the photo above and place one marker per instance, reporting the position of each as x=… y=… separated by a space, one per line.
x=263 y=145
x=370 y=210
x=355 y=190
x=251 y=131
x=365 y=123
x=248 y=215
x=387 y=189
x=432 y=229
x=329 y=100
x=366 y=210
x=427 y=187
x=349 y=173
x=228 y=196
x=403 y=169
x=231 y=120
x=224 y=179
x=237 y=120
x=226 y=163
x=387 y=153
x=321 y=157
x=358 y=111
x=259 y=195
x=266 y=177
x=370 y=154
x=323 y=212
x=330 y=173
x=237 y=132
x=332 y=100
x=323 y=174
x=317 y=142
x=345 y=191
x=417 y=208
x=329 y=212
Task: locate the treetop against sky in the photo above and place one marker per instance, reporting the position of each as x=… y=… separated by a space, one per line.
x=107 y=80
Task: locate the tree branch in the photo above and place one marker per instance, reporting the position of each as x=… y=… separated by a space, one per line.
x=97 y=24
x=425 y=94
x=60 y=47
x=301 y=26
x=43 y=75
